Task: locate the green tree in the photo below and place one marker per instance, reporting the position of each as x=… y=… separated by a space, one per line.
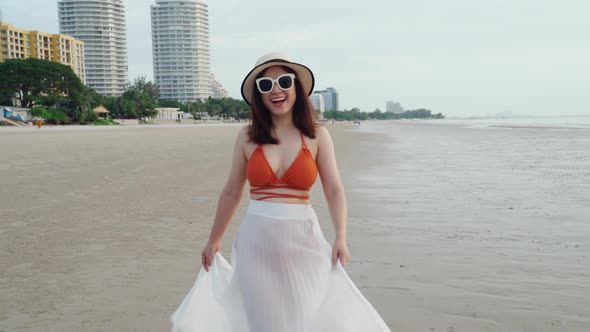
x=30 y=78
x=82 y=103
x=52 y=116
x=417 y=114
x=173 y=104
x=196 y=108
x=47 y=101
x=139 y=99
x=228 y=108
x=147 y=87
x=137 y=104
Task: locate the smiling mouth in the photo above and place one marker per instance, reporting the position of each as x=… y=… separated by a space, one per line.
x=277 y=101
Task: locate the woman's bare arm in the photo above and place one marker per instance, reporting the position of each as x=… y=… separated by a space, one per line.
x=229 y=199
x=334 y=192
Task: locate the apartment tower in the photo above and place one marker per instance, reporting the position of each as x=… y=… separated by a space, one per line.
x=100 y=24
x=331 y=99
x=18 y=43
x=317 y=100
x=180 y=48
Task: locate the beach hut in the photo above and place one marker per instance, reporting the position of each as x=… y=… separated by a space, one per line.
x=101 y=111
x=167 y=113
x=164 y=114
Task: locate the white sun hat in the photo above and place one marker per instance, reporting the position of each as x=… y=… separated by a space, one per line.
x=302 y=73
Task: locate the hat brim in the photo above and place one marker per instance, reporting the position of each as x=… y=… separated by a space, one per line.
x=302 y=73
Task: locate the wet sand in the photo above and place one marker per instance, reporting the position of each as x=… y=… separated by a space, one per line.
x=489 y=227
x=101 y=228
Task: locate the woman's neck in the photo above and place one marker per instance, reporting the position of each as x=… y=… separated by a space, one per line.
x=280 y=123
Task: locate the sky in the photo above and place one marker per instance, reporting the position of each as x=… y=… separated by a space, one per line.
x=458 y=57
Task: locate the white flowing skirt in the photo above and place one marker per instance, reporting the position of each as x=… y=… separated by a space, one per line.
x=281 y=280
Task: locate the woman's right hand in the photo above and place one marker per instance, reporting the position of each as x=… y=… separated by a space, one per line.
x=208 y=253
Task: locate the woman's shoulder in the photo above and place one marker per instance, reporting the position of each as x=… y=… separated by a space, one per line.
x=244 y=136
x=244 y=142
x=321 y=132
x=244 y=133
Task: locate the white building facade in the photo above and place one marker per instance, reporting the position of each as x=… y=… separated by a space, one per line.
x=100 y=24
x=168 y=113
x=180 y=49
x=317 y=100
x=217 y=88
x=331 y=99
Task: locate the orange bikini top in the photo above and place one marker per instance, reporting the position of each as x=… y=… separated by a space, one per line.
x=299 y=176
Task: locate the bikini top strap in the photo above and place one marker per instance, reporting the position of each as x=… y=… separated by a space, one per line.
x=258 y=147
x=303 y=145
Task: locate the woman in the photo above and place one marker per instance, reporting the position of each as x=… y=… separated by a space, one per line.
x=284 y=275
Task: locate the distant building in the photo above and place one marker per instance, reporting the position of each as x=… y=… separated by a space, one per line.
x=168 y=113
x=100 y=24
x=331 y=99
x=16 y=112
x=317 y=100
x=101 y=111
x=180 y=48
x=330 y=96
x=17 y=43
x=218 y=89
x=393 y=107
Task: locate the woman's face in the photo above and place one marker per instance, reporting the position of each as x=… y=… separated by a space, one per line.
x=277 y=101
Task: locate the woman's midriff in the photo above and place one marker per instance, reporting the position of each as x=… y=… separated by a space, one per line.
x=283 y=195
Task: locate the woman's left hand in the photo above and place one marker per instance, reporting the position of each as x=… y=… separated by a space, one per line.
x=340 y=251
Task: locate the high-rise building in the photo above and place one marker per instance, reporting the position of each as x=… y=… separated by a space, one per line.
x=180 y=42
x=393 y=107
x=17 y=43
x=331 y=99
x=317 y=100
x=100 y=24
x=218 y=90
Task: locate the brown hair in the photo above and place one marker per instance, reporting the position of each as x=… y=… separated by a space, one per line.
x=304 y=115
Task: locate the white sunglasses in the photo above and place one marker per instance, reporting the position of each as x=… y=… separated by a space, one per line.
x=266 y=84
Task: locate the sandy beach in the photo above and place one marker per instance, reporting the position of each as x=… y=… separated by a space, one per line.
x=101 y=228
